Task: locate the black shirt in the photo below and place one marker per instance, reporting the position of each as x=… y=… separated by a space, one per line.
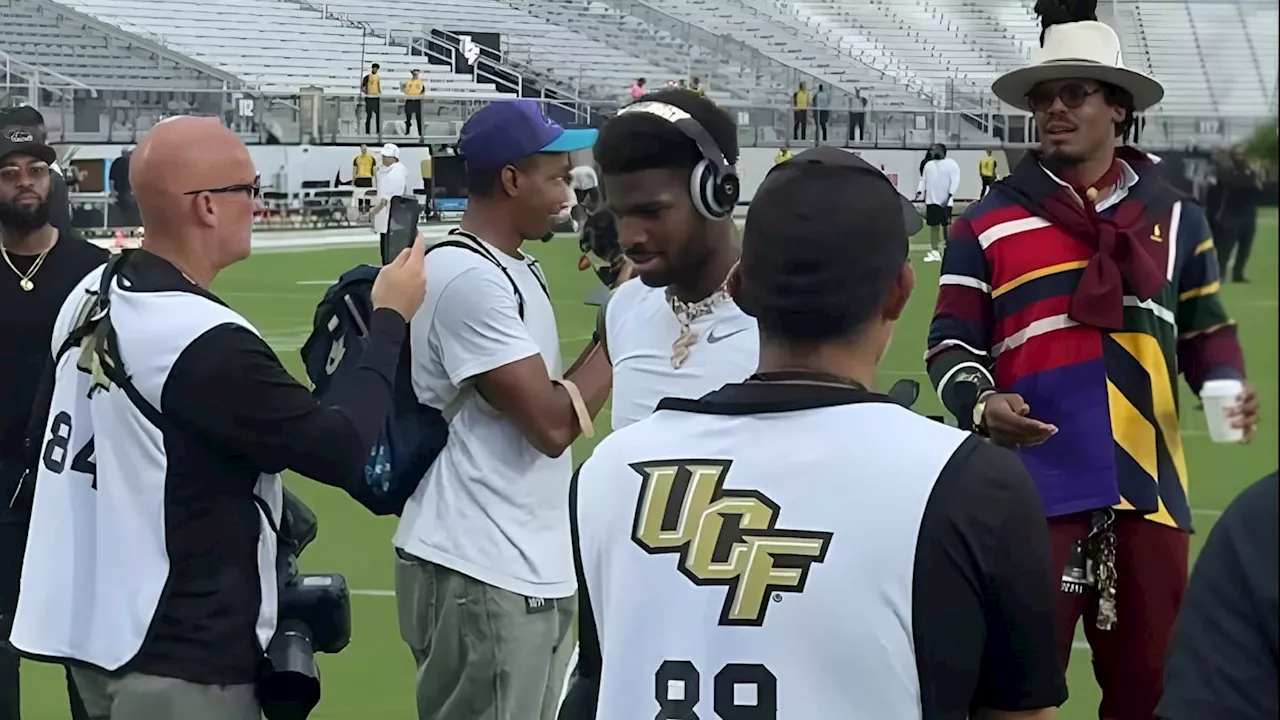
x=26 y=325
x=1222 y=660
x=1240 y=192
x=119 y=176
x=59 y=202
x=984 y=590
x=230 y=411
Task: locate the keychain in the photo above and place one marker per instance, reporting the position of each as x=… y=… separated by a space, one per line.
x=1103 y=564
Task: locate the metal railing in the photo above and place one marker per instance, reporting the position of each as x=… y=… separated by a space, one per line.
x=78 y=115
x=445 y=47
x=37 y=78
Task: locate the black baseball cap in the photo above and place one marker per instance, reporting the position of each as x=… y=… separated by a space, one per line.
x=24 y=115
x=826 y=231
x=22 y=141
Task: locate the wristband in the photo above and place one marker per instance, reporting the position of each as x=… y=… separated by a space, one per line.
x=579 y=407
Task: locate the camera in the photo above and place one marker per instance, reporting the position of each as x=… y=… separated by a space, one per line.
x=599 y=244
x=905 y=392
x=314 y=616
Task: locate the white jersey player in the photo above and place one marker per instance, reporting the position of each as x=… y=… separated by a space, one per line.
x=797 y=545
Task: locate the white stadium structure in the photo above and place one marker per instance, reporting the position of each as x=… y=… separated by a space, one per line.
x=104 y=70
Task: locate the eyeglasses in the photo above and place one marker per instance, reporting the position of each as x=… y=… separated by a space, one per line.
x=1072 y=96
x=253 y=190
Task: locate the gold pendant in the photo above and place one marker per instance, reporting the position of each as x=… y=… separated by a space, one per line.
x=680 y=349
x=26 y=284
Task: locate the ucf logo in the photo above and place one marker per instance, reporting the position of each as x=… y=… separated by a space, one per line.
x=724 y=538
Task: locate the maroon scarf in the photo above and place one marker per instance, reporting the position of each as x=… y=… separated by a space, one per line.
x=1119 y=262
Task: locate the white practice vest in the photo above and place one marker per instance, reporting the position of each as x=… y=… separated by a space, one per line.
x=738 y=561
x=96 y=563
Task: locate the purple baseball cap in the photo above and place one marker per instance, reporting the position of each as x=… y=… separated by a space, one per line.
x=507 y=131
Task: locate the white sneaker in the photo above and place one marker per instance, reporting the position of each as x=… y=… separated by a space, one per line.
x=933 y=256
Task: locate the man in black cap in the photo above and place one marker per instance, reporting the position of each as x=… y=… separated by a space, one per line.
x=42 y=263
x=829 y=552
x=30 y=120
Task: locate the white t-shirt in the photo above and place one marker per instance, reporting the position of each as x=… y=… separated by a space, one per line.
x=492 y=506
x=939 y=182
x=393 y=180
x=584 y=177
x=640 y=328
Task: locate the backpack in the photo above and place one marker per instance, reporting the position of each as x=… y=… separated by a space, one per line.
x=413 y=434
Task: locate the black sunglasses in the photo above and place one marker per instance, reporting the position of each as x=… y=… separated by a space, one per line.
x=1072 y=95
x=254 y=190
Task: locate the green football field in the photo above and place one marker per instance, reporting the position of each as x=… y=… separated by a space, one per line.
x=373 y=678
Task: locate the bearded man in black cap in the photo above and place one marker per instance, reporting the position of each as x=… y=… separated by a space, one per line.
x=819 y=513
x=42 y=263
x=30 y=120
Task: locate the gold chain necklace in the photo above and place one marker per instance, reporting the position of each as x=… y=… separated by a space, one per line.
x=686 y=314
x=24 y=279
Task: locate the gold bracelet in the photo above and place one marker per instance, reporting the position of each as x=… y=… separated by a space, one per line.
x=579 y=407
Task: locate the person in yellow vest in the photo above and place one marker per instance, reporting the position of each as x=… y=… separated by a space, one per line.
x=371 y=91
x=428 y=183
x=362 y=174
x=800 y=101
x=695 y=85
x=784 y=154
x=414 y=89
x=987 y=171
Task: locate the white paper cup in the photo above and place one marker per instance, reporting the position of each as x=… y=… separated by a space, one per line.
x=1220 y=396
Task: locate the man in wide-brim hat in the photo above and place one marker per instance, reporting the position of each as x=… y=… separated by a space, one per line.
x=1071 y=298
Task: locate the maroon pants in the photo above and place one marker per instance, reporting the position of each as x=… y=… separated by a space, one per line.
x=1151 y=577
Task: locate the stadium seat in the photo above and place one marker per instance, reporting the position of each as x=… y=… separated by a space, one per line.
x=1217 y=58
x=297 y=47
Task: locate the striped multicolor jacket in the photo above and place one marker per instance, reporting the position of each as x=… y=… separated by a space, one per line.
x=1007 y=280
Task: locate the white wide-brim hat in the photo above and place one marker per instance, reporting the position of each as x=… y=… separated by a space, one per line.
x=1087 y=49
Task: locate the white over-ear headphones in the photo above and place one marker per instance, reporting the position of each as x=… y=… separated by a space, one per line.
x=714 y=185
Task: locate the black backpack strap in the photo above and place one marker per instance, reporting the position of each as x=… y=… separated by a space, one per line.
x=535 y=269
x=477 y=246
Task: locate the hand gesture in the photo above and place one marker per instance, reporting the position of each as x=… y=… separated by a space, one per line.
x=1245 y=413
x=1007 y=418
x=402 y=284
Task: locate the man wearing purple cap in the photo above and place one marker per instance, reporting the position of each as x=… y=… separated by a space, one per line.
x=484 y=575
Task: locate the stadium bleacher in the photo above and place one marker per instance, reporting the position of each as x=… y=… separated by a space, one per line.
x=941 y=42
x=1203 y=53
x=298 y=47
x=584 y=62
x=49 y=37
x=1217 y=58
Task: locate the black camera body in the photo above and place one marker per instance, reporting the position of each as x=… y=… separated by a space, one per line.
x=599 y=238
x=905 y=393
x=314 y=616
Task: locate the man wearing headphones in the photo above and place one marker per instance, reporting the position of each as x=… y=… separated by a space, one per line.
x=668 y=169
